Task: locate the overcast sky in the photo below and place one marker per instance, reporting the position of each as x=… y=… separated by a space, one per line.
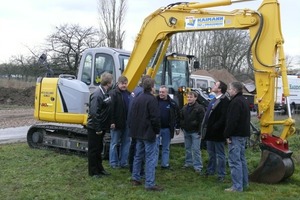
x=27 y=23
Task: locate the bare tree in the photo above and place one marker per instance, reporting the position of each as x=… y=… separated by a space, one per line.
x=111 y=17
x=69 y=41
x=25 y=67
x=215 y=49
x=7 y=70
x=289 y=60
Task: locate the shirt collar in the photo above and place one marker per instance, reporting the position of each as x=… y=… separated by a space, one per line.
x=219 y=96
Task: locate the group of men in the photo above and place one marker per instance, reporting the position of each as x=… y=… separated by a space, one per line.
x=140 y=121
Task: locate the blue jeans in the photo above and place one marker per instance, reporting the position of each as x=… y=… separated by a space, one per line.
x=217 y=159
x=238 y=163
x=121 y=137
x=192 y=150
x=165 y=139
x=147 y=149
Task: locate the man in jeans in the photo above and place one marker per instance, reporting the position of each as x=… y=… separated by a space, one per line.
x=236 y=133
x=144 y=126
x=191 y=116
x=119 y=130
x=135 y=93
x=169 y=120
x=213 y=127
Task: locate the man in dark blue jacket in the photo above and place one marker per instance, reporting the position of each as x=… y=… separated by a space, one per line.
x=213 y=127
x=136 y=92
x=169 y=120
x=236 y=133
x=144 y=126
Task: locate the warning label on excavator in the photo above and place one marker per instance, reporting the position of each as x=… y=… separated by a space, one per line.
x=204 y=22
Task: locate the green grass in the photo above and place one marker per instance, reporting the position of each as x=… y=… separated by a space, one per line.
x=40 y=174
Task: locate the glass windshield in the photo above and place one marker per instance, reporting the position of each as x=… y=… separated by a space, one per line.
x=179 y=73
x=172 y=73
x=123 y=62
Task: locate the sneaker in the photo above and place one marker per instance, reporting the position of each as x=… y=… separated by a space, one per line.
x=185 y=166
x=166 y=168
x=231 y=190
x=96 y=176
x=207 y=174
x=220 y=179
x=135 y=182
x=155 y=188
x=246 y=187
x=105 y=173
x=199 y=171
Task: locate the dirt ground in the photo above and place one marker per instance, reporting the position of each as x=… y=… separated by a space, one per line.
x=19 y=97
x=16 y=107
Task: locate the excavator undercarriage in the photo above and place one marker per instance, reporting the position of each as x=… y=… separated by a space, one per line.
x=62 y=138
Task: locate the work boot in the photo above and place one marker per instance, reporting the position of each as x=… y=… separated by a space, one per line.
x=155 y=188
x=135 y=182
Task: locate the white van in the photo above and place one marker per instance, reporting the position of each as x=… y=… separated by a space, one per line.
x=294 y=98
x=203 y=82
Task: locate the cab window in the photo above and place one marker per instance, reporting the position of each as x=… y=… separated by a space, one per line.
x=103 y=63
x=87 y=70
x=201 y=83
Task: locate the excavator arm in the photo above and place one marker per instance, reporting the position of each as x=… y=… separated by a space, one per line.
x=159 y=26
x=266 y=52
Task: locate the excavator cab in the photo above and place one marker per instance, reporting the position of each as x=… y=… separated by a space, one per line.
x=96 y=61
x=174 y=72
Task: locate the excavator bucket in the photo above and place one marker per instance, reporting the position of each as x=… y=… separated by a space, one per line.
x=272 y=168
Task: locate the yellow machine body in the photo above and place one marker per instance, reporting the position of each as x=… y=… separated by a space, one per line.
x=267 y=56
x=54 y=104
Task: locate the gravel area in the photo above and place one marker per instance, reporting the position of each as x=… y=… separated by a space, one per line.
x=16 y=118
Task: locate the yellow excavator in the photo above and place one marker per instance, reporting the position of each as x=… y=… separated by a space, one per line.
x=65 y=100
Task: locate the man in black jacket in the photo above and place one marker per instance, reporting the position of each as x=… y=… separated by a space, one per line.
x=98 y=124
x=236 y=133
x=169 y=120
x=144 y=126
x=119 y=129
x=213 y=127
x=191 y=116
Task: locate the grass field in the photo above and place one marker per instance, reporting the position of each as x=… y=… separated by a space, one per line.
x=40 y=174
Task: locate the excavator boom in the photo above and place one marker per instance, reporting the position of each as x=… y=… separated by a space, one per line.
x=266 y=50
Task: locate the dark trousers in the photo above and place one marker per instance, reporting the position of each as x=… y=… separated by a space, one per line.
x=131 y=154
x=95 y=145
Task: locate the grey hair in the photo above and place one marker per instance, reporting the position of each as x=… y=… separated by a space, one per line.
x=238 y=86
